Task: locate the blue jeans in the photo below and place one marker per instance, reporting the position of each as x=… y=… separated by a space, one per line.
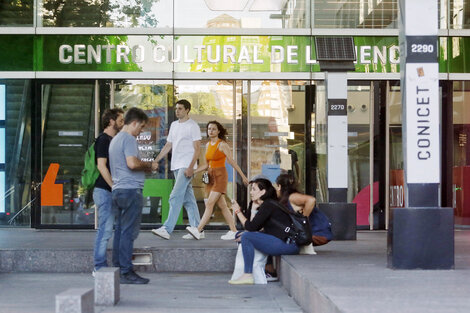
x=265 y=243
x=103 y=201
x=127 y=207
x=182 y=194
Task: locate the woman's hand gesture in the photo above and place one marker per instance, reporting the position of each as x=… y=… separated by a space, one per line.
x=235 y=207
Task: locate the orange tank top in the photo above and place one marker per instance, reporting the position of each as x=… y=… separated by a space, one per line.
x=215 y=157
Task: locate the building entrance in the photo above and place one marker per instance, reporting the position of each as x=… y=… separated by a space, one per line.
x=265 y=119
x=274 y=126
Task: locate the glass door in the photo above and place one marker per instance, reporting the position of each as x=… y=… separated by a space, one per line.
x=217 y=100
x=367 y=151
x=396 y=174
x=276 y=128
x=360 y=145
x=461 y=152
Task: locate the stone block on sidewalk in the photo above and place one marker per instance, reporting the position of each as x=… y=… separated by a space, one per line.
x=107 y=290
x=75 y=300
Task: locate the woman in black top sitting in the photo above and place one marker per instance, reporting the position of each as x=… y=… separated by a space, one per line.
x=272 y=240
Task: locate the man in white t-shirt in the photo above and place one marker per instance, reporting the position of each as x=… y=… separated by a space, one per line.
x=185 y=141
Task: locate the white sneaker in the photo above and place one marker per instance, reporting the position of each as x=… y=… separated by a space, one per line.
x=194 y=232
x=161 y=232
x=230 y=235
x=270 y=277
x=307 y=249
x=189 y=236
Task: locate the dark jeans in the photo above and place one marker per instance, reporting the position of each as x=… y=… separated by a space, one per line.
x=127 y=208
x=265 y=243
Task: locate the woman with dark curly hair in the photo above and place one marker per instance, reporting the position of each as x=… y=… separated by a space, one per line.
x=217 y=151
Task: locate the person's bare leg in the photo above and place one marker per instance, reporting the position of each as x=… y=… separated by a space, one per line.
x=211 y=201
x=222 y=204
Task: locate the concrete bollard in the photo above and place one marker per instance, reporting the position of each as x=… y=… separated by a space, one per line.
x=343 y=219
x=107 y=290
x=75 y=300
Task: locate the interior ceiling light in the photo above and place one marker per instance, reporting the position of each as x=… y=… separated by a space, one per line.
x=267 y=5
x=239 y=5
x=226 y=5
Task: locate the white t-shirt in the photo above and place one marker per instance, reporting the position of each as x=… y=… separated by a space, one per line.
x=182 y=137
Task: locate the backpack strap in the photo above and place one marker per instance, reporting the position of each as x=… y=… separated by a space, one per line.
x=282 y=207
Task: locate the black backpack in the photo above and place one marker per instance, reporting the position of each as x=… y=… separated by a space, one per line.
x=299 y=230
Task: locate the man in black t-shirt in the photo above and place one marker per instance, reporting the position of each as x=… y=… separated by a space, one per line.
x=112 y=121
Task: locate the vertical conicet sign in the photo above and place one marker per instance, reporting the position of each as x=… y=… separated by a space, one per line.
x=422 y=226
x=2 y=147
x=421 y=103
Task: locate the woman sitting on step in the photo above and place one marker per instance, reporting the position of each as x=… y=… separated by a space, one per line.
x=259 y=260
x=291 y=198
x=272 y=240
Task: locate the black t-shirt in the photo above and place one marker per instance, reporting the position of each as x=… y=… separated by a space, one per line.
x=102 y=151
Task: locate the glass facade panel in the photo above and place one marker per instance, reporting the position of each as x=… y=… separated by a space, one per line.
x=242 y=54
x=320 y=138
x=17 y=53
x=277 y=114
x=461 y=164
x=68 y=129
x=15 y=149
x=459 y=14
x=156 y=99
x=108 y=53
x=355 y=14
x=105 y=13
x=16 y=13
x=220 y=13
x=242 y=14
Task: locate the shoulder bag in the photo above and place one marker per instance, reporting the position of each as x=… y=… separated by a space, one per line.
x=205 y=177
x=299 y=230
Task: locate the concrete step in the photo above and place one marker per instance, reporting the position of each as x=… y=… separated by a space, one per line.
x=28 y=250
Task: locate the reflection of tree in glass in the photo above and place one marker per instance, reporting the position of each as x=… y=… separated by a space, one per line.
x=51 y=46
x=145 y=97
x=16 y=12
x=99 y=13
x=253 y=107
x=202 y=103
x=129 y=13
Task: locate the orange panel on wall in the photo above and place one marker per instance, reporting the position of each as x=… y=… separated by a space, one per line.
x=52 y=194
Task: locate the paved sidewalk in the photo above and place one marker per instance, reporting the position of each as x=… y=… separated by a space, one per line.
x=352 y=277
x=345 y=276
x=166 y=292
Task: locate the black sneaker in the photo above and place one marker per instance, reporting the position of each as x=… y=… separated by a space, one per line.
x=132 y=278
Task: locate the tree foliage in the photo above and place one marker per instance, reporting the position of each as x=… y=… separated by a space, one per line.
x=99 y=13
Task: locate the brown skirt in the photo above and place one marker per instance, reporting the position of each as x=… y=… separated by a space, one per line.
x=218 y=179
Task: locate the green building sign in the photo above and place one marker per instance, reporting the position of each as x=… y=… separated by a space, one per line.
x=256 y=54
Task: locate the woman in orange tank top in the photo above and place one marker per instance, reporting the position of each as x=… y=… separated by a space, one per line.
x=217 y=151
